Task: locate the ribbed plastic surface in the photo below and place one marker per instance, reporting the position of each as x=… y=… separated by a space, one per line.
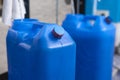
x=35 y=53
x=94 y=37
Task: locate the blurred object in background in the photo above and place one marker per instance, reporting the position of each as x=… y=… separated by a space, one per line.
x=117 y=76
x=116 y=62
x=116 y=67
x=107 y=8
x=68 y=2
x=27 y=6
x=117 y=50
x=78 y=5
x=104 y=7
x=115 y=71
x=13 y=9
x=1 y=3
x=4 y=76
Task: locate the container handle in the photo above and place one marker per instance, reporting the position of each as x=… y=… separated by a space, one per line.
x=90 y=17
x=25 y=46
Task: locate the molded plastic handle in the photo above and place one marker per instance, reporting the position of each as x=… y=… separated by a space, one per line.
x=90 y=17
x=108 y=20
x=38 y=25
x=25 y=20
x=23 y=25
x=25 y=46
x=92 y=20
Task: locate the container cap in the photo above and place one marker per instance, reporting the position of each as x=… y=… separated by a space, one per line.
x=108 y=20
x=58 y=32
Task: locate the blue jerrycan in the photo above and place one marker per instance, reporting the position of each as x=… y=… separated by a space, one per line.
x=95 y=39
x=40 y=51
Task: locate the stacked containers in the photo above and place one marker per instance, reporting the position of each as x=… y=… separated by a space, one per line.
x=40 y=52
x=95 y=47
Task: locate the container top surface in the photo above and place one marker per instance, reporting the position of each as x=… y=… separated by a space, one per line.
x=23 y=24
x=74 y=17
x=40 y=34
x=89 y=22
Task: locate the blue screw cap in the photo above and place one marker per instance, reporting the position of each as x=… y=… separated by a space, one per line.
x=58 y=32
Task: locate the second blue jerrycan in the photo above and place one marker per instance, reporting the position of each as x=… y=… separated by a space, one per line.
x=95 y=39
x=40 y=52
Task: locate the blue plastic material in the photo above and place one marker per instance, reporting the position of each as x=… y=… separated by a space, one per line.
x=94 y=37
x=73 y=19
x=22 y=25
x=35 y=53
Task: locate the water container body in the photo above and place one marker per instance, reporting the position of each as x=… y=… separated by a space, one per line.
x=95 y=49
x=36 y=54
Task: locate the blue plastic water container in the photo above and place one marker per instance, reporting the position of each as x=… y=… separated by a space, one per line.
x=40 y=51
x=94 y=37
